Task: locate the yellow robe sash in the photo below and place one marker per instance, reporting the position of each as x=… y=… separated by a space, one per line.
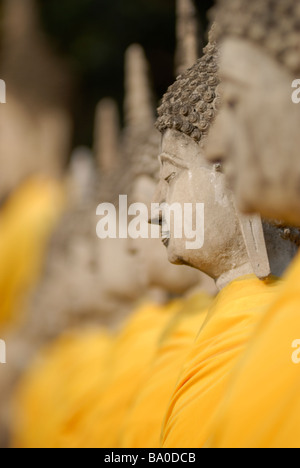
x=262 y=408
x=143 y=425
x=204 y=379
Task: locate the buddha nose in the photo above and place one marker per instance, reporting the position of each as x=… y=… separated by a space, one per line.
x=155 y=214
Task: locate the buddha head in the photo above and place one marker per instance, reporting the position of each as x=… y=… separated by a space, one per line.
x=140 y=143
x=155 y=270
x=36 y=125
x=120 y=277
x=234 y=245
x=256 y=134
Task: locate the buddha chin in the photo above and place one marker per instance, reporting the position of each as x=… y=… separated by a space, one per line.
x=173 y=248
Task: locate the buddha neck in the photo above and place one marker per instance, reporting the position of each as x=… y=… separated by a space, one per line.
x=206 y=286
x=281 y=252
x=233 y=274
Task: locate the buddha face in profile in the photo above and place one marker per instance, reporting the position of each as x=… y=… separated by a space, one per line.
x=120 y=273
x=120 y=277
x=186 y=178
x=256 y=134
x=188 y=109
x=155 y=270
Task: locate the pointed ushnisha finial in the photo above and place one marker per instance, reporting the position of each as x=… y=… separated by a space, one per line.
x=187 y=36
x=28 y=63
x=138 y=107
x=19 y=19
x=106 y=135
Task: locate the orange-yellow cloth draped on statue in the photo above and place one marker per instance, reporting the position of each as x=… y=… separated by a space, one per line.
x=222 y=340
x=143 y=425
x=130 y=360
x=58 y=388
x=27 y=220
x=262 y=408
x=68 y=400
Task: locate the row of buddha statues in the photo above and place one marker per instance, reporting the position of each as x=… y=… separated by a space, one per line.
x=135 y=343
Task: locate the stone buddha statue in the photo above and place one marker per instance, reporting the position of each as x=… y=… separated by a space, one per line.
x=237 y=250
x=157 y=271
x=163 y=284
x=122 y=277
x=256 y=140
x=141 y=144
x=256 y=134
x=35 y=121
x=142 y=426
x=234 y=245
x=70 y=294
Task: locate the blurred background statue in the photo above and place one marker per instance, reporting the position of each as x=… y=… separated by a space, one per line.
x=35 y=122
x=114 y=276
x=259 y=150
x=256 y=139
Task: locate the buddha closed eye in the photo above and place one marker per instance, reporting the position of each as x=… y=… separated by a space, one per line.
x=170 y=177
x=230 y=98
x=169 y=174
x=171 y=169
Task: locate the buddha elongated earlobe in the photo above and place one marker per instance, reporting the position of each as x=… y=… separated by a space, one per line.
x=254 y=239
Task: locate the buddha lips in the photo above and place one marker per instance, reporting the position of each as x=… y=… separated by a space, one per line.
x=177 y=221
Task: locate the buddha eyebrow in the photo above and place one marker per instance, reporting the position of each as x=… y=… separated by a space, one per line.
x=171 y=159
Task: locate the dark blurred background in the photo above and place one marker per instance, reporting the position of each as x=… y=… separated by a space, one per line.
x=91 y=36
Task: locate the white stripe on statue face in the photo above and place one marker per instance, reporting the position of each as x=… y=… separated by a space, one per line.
x=2 y=92
x=2 y=352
